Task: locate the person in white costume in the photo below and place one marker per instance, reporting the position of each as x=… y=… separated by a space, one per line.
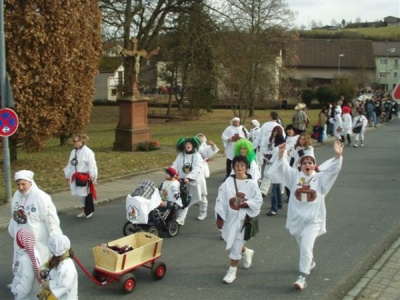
x=347 y=125
x=189 y=165
x=337 y=123
x=262 y=148
x=302 y=147
x=231 y=214
x=62 y=279
x=170 y=189
x=81 y=160
x=253 y=134
x=25 y=284
x=207 y=150
x=306 y=215
x=230 y=136
x=244 y=147
x=33 y=210
x=359 y=118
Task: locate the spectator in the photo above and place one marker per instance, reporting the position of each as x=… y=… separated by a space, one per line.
x=300 y=118
x=322 y=118
x=359 y=118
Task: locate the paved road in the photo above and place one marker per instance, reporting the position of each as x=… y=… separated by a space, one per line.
x=363 y=214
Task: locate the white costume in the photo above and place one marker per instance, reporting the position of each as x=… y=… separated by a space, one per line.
x=347 y=124
x=253 y=134
x=306 y=216
x=191 y=166
x=363 y=120
x=232 y=231
x=207 y=151
x=337 y=123
x=40 y=215
x=229 y=132
x=262 y=143
x=172 y=190
x=86 y=163
x=25 y=285
x=290 y=143
x=63 y=281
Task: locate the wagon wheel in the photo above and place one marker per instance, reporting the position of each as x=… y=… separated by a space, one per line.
x=99 y=276
x=172 y=228
x=130 y=228
x=158 y=270
x=153 y=230
x=127 y=283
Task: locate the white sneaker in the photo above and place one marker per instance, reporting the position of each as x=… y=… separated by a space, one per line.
x=180 y=222
x=81 y=215
x=300 y=283
x=202 y=216
x=89 y=216
x=247 y=258
x=230 y=275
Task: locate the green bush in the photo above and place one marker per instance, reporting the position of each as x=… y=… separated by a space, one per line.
x=148 y=146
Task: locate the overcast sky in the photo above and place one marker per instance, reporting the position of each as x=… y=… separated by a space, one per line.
x=325 y=10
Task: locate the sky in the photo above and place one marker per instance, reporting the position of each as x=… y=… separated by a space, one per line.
x=325 y=11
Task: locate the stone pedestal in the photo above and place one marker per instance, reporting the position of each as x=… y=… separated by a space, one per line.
x=132 y=127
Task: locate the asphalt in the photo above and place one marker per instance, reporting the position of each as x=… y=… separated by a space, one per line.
x=382 y=281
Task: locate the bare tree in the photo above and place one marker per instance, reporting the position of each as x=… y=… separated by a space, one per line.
x=250 y=56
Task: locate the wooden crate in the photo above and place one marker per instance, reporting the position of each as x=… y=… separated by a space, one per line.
x=146 y=247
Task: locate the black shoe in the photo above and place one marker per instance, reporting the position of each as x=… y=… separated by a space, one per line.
x=271 y=213
x=280 y=207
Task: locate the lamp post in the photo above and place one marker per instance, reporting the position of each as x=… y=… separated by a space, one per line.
x=338 y=69
x=389 y=50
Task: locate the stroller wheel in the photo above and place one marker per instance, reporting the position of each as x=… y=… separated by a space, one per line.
x=130 y=228
x=153 y=230
x=172 y=228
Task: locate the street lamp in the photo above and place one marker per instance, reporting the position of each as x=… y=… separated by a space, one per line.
x=339 y=57
x=389 y=50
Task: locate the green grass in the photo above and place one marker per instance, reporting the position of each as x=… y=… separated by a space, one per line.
x=48 y=164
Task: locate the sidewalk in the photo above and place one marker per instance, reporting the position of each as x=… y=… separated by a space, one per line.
x=382 y=281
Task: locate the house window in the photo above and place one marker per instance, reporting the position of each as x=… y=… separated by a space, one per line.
x=383 y=61
x=396 y=64
x=113 y=92
x=382 y=74
x=395 y=74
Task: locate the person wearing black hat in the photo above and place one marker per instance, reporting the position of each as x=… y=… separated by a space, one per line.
x=189 y=165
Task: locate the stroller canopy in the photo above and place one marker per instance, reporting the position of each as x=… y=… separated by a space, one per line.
x=145 y=189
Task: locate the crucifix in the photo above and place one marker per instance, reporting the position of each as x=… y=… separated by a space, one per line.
x=137 y=55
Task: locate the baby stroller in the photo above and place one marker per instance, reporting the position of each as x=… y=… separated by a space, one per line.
x=144 y=213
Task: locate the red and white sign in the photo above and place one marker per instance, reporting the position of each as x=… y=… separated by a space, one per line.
x=396 y=92
x=8 y=122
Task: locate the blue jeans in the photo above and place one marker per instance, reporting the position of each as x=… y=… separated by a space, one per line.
x=276 y=197
x=320 y=133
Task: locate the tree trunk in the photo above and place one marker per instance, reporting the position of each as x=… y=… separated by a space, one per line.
x=64 y=140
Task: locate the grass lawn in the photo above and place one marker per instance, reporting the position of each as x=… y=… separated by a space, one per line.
x=48 y=164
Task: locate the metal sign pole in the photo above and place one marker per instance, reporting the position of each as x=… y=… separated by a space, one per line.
x=4 y=103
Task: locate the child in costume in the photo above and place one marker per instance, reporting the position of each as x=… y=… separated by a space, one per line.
x=170 y=189
x=25 y=284
x=62 y=277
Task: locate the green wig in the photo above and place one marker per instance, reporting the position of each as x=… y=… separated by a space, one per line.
x=195 y=141
x=243 y=143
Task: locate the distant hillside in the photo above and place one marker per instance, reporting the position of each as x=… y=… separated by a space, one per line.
x=374 y=34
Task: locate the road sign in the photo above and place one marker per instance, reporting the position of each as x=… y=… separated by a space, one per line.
x=8 y=122
x=396 y=92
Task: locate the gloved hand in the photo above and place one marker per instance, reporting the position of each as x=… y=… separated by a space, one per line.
x=220 y=223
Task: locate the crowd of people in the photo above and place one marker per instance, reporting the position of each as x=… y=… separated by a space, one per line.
x=268 y=155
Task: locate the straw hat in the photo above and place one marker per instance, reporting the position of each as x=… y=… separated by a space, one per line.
x=300 y=106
